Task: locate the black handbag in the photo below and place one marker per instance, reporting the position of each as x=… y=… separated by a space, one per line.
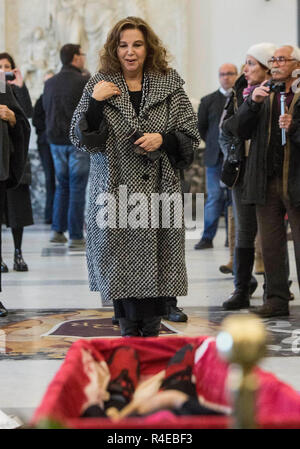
x=232 y=165
x=234 y=148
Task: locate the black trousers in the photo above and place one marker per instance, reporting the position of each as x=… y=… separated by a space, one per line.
x=2 y=205
x=48 y=166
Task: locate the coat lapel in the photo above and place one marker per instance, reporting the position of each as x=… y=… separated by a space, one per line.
x=156 y=88
x=160 y=86
x=122 y=102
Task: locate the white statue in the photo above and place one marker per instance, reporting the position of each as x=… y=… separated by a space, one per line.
x=35 y=60
x=99 y=17
x=65 y=18
x=136 y=8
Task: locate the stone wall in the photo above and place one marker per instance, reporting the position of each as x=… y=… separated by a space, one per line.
x=34 y=30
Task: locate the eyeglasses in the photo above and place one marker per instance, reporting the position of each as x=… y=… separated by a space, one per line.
x=280 y=59
x=222 y=74
x=82 y=54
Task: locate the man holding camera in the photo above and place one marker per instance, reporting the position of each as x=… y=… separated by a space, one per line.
x=272 y=178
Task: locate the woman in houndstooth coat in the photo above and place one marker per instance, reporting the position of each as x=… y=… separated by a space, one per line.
x=133 y=118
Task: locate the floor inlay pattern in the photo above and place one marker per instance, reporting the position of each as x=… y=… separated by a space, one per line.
x=48 y=334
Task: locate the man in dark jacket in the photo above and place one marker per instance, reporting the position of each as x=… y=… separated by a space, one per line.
x=273 y=173
x=61 y=95
x=209 y=115
x=38 y=122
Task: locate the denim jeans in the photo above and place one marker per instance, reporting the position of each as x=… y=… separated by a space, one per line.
x=72 y=172
x=215 y=201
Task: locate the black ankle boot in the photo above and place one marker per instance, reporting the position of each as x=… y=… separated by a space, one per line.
x=19 y=263
x=240 y=298
x=129 y=328
x=4 y=268
x=3 y=311
x=150 y=326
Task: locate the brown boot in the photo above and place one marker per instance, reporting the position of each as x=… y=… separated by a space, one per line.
x=272 y=308
x=228 y=268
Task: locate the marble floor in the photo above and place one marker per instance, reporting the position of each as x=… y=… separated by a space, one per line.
x=51 y=306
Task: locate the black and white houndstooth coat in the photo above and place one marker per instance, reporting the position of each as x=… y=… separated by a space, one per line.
x=140 y=262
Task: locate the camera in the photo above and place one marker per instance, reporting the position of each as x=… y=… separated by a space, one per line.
x=133 y=136
x=275 y=87
x=9 y=76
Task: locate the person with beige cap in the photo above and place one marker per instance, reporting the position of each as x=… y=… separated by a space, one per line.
x=272 y=176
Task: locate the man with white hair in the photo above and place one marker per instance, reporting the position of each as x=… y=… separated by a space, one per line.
x=272 y=178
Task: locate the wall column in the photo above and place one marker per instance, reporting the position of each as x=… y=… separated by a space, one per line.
x=2 y=25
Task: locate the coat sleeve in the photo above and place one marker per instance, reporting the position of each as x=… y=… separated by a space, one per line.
x=82 y=137
x=20 y=135
x=183 y=128
x=186 y=119
x=24 y=99
x=203 y=118
x=294 y=132
x=229 y=123
x=247 y=118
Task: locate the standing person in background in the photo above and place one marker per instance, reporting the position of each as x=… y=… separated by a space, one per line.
x=38 y=122
x=61 y=95
x=135 y=94
x=255 y=71
x=14 y=141
x=273 y=172
x=209 y=115
x=18 y=209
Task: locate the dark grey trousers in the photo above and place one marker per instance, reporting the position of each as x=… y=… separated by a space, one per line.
x=272 y=229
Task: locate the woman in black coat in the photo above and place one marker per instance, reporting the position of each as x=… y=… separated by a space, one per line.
x=14 y=141
x=18 y=210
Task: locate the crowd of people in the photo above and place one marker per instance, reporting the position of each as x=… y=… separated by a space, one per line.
x=132 y=125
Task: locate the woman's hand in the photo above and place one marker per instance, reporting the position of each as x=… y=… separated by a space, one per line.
x=7 y=115
x=18 y=81
x=150 y=141
x=261 y=93
x=104 y=90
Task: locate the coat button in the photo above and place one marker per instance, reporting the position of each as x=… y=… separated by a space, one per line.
x=146 y=116
x=145 y=177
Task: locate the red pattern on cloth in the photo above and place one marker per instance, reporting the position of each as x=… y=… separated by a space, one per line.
x=278 y=404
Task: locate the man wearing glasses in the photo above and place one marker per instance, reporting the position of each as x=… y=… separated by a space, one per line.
x=209 y=115
x=272 y=179
x=61 y=95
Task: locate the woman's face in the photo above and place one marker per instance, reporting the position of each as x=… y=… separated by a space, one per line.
x=254 y=72
x=132 y=51
x=5 y=65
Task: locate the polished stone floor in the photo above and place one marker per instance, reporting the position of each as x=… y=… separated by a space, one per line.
x=51 y=306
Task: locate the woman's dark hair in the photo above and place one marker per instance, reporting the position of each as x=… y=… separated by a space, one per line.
x=67 y=53
x=7 y=56
x=156 y=55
